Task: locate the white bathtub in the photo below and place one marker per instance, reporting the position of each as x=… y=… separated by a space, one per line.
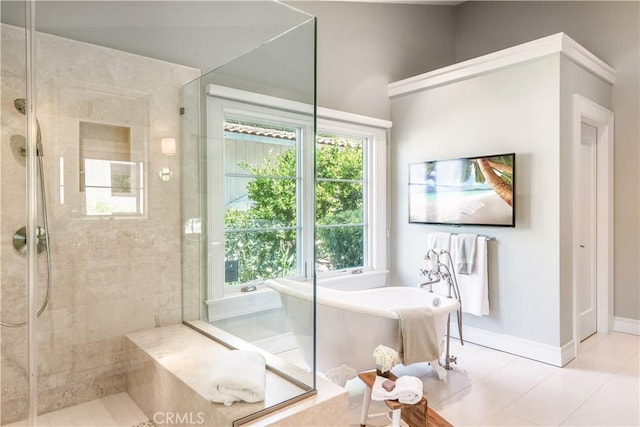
x=351 y=324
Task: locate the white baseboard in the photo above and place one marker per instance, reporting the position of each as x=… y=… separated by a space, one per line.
x=557 y=356
x=628 y=326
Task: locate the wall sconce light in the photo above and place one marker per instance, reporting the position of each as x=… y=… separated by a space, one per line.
x=168 y=147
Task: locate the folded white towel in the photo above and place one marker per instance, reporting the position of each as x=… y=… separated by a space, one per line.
x=238 y=375
x=465 y=252
x=408 y=390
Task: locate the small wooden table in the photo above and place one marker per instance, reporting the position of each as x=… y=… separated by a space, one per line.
x=413 y=414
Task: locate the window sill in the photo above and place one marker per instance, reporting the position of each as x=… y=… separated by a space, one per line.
x=242 y=303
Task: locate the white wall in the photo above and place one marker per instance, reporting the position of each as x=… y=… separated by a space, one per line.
x=511 y=110
x=611 y=30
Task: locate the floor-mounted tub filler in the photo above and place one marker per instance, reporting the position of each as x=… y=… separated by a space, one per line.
x=351 y=324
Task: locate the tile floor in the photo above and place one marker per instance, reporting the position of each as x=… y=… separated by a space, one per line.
x=491 y=388
x=486 y=388
x=116 y=410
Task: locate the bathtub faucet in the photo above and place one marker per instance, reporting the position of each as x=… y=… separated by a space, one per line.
x=439 y=268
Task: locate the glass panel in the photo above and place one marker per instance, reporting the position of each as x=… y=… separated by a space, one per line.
x=14 y=385
x=243 y=194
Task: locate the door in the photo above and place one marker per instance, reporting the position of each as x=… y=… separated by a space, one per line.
x=586 y=217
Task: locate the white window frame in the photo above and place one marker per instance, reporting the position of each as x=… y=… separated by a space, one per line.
x=375 y=186
x=262 y=107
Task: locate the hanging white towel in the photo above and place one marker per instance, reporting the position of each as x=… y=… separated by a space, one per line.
x=465 y=250
x=436 y=241
x=439 y=241
x=474 y=288
x=238 y=375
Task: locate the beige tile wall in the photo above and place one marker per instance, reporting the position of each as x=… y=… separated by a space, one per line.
x=110 y=276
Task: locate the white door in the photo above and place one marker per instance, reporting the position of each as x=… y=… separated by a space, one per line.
x=586 y=218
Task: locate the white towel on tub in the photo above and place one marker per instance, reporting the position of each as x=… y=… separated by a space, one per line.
x=238 y=375
x=408 y=390
x=474 y=288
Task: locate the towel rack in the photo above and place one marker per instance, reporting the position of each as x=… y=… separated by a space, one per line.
x=489 y=239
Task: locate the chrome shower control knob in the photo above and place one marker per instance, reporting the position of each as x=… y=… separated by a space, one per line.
x=20 y=240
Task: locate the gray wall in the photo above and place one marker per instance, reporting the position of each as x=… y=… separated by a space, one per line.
x=611 y=31
x=362 y=47
x=515 y=109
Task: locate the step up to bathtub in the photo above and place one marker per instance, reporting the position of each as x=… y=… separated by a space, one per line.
x=167 y=379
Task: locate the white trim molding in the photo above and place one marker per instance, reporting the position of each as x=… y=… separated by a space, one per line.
x=557 y=356
x=556 y=43
x=587 y=111
x=252 y=98
x=627 y=326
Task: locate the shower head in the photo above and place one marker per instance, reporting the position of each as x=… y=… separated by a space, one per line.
x=21 y=106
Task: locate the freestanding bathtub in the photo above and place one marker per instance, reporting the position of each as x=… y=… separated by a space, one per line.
x=351 y=324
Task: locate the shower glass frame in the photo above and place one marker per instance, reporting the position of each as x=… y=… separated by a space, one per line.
x=31 y=241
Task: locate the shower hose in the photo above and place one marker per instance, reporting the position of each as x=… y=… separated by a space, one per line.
x=45 y=220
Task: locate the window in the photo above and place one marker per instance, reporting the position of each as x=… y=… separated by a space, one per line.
x=261 y=200
x=262 y=183
x=340 y=202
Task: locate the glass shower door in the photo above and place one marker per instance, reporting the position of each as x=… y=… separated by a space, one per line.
x=24 y=275
x=248 y=198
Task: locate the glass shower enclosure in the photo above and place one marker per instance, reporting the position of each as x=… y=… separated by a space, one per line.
x=139 y=140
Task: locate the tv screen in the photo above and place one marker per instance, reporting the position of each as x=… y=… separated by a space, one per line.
x=467 y=191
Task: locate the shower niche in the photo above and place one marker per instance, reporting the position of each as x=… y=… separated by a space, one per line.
x=110 y=178
x=103 y=175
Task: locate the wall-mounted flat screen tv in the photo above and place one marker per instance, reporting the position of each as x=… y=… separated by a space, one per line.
x=467 y=191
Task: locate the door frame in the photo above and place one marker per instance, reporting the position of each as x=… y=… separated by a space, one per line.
x=591 y=113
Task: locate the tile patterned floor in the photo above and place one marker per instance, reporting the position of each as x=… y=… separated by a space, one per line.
x=116 y=410
x=491 y=388
x=486 y=388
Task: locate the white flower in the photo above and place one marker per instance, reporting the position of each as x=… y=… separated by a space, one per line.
x=386 y=358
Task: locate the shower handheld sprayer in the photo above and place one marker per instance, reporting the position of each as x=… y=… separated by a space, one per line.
x=42 y=233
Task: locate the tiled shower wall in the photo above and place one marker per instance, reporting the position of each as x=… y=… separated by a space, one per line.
x=111 y=276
